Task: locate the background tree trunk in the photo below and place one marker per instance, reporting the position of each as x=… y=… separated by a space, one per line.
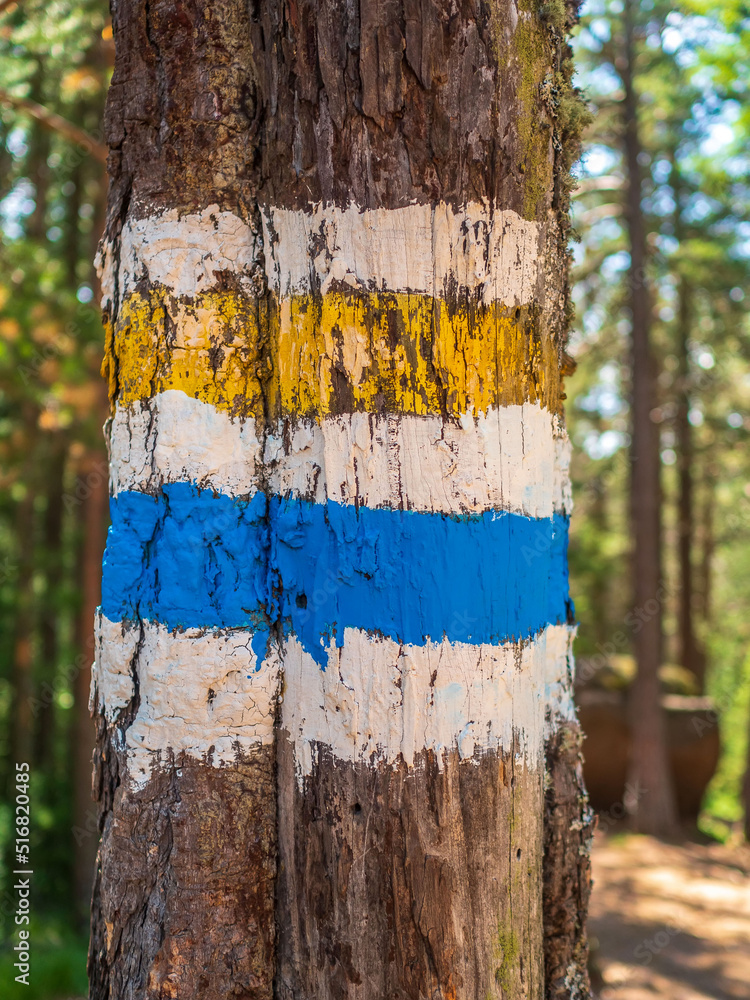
x=92 y=490
x=654 y=806
x=692 y=656
x=52 y=528
x=746 y=789
x=22 y=729
x=337 y=753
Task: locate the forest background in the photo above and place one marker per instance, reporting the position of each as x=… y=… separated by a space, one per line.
x=690 y=71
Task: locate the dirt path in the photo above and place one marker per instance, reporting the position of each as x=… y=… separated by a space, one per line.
x=670 y=921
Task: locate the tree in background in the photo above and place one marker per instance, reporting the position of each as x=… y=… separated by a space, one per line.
x=692 y=205
x=337 y=749
x=655 y=808
x=54 y=71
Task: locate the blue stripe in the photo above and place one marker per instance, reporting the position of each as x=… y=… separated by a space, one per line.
x=192 y=558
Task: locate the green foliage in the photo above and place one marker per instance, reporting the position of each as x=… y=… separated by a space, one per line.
x=694 y=125
x=58 y=966
x=52 y=193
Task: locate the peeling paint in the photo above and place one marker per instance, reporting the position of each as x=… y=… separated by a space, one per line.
x=424 y=249
x=370 y=458
x=205 y=693
x=201 y=692
x=337 y=353
x=190 y=558
x=512 y=458
x=379 y=701
x=185 y=253
x=430 y=250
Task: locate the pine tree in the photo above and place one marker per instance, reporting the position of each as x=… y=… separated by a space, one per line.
x=337 y=751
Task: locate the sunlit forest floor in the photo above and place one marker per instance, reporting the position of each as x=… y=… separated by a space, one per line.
x=670 y=921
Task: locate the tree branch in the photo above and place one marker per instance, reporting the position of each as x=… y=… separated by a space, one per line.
x=56 y=123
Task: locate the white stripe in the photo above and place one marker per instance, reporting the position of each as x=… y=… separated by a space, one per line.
x=204 y=693
x=379 y=701
x=512 y=458
x=174 y=438
x=201 y=692
x=184 y=253
x=424 y=249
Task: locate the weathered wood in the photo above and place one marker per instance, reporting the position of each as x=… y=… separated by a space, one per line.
x=410 y=882
x=184 y=899
x=656 y=811
x=292 y=103
x=568 y=828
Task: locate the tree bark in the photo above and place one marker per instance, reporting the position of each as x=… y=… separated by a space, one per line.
x=707 y=543
x=39 y=173
x=654 y=809
x=337 y=753
x=691 y=654
x=746 y=789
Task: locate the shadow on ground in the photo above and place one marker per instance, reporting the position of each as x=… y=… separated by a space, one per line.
x=669 y=921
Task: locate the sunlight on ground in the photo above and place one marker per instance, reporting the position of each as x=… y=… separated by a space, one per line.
x=670 y=921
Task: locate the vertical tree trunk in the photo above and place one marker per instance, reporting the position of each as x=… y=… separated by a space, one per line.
x=746 y=788
x=22 y=724
x=44 y=706
x=39 y=172
x=337 y=752
x=692 y=656
x=654 y=805
x=707 y=542
x=92 y=492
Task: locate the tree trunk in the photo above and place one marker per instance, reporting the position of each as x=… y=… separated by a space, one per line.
x=91 y=491
x=707 y=543
x=49 y=626
x=692 y=656
x=746 y=788
x=22 y=719
x=39 y=172
x=337 y=753
x=653 y=806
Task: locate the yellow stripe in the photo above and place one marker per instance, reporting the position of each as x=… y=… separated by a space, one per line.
x=344 y=351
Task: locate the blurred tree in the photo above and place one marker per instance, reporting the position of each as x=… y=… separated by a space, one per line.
x=54 y=67
x=654 y=809
x=693 y=206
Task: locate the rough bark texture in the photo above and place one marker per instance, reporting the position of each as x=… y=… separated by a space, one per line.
x=184 y=902
x=291 y=103
x=413 y=882
x=568 y=829
x=362 y=881
x=692 y=656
